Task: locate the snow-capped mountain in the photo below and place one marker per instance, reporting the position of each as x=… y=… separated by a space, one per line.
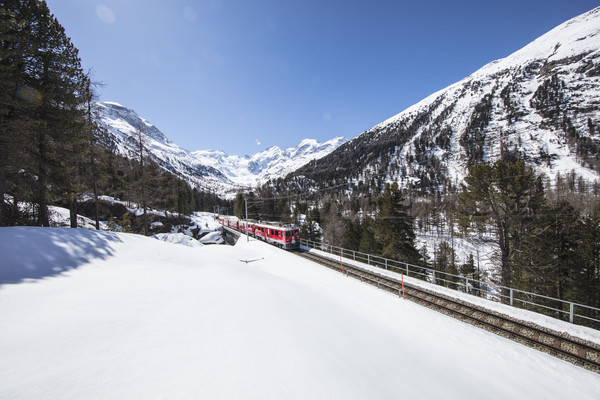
x=271 y=163
x=540 y=104
x=208 y=170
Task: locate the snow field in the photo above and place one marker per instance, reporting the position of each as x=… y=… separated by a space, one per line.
x=578 y=331
x=122 y=316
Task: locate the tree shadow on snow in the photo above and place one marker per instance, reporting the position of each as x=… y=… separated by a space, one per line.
x=37 y=253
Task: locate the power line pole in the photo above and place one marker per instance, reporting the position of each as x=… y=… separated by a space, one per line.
x=246 y=206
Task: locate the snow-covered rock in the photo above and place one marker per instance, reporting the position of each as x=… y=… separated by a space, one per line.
x=177 y=238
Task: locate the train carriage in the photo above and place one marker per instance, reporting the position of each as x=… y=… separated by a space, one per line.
x=284 y=236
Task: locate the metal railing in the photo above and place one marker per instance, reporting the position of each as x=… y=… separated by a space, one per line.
x=560 y=309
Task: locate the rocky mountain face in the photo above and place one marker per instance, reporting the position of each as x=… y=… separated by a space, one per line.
x=208 y=170
x=540 y=104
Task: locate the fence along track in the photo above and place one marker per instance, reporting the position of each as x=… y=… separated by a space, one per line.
x=561 y=345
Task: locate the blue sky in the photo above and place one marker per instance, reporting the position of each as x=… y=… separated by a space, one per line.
x=241 y=76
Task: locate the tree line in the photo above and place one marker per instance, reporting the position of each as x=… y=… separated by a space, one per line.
x=51 y=149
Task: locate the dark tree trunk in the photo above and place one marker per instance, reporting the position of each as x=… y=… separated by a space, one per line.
x=73 y=212
x=43 y=217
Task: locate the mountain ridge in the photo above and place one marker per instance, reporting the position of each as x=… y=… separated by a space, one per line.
x=209 y=170
x=539 y=104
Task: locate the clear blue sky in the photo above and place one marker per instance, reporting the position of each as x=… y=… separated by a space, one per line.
x=243 y=75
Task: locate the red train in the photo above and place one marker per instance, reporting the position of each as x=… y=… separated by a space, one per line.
x=285 y=236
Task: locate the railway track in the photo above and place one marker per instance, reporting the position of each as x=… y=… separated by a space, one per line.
x=574 y=350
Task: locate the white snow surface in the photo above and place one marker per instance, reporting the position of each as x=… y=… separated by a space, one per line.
x=105 y=315
x=577 y=331
x=212 y=238
x=177 y=238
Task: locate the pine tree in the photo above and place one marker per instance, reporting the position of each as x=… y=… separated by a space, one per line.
x=586 y=280
x=9 y=54
x=238 y=206
x=42 y=118
x=394 y=226
x=353 y=235
x=95 y=135
x=368 y=243
x=334 y=228
x=506 y=195
x=550 y=262
x=310 y=231
x=17 y=100
x=469 y=270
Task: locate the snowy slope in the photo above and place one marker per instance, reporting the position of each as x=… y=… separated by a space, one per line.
x=209 y=170
x=122 y=316
x=123 y=127
x=540 y=104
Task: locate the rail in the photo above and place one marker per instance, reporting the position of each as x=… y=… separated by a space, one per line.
x=575 y=313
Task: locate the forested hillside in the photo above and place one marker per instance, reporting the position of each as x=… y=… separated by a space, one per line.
x=539 y=104
x=499 y=170
x=51 y=148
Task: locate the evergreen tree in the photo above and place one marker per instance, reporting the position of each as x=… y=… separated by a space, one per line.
x=58 y=76
x=42 y=116
x=353 y=235
x=469 y=270
x=394 y=227
x=334 y=228
x=586 y=280
x=549 y=262
x=368 y=244
x=139 y=141
x=239 y=206
x=506 y=195
x=310 y=231
x=442 y=257
x=285 y=213
x=95 y=133
x=12 y=53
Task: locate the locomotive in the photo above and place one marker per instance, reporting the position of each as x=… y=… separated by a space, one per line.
x=285 y=236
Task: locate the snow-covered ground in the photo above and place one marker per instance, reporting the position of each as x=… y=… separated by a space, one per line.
x=208 y=227
x=577 y=331
x=106 y=315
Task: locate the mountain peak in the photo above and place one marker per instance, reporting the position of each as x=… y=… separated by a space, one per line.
x=541 y=104
x=129 y=121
